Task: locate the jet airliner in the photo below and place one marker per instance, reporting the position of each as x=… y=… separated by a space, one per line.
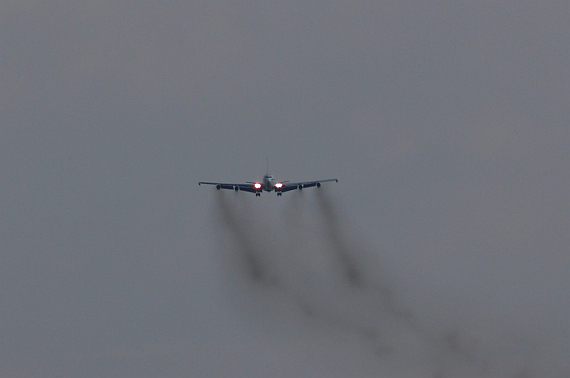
x=268 y=184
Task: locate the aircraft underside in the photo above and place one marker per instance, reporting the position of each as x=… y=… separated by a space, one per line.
x=269 y=184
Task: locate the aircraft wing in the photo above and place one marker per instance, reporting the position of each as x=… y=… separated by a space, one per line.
x=249 y=187
x=287 y=186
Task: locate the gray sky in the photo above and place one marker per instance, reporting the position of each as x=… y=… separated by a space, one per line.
x=446 y=123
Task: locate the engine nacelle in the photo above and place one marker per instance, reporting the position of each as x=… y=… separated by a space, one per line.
x=318 y=184
x=300 y=187
x=218 y=187
x=236 y=188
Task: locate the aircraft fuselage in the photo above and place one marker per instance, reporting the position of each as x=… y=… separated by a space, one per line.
x=268 y=183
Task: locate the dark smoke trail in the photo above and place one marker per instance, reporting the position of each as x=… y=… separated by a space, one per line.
x=451 y=350
x=246 y=247
x=326 y=280
x=347 y=256
x=340 y=247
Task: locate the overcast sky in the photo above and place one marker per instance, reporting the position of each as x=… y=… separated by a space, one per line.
x=442 y=251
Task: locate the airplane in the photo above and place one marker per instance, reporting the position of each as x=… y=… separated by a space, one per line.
x=268 y=184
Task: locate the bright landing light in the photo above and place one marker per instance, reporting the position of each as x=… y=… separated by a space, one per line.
x=257 y=185
x=279 y=185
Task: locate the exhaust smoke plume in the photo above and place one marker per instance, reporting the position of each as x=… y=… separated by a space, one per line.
x=298 y=262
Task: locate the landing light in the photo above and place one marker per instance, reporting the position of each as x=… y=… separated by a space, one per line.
x=279 y=185
x=257 y=185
